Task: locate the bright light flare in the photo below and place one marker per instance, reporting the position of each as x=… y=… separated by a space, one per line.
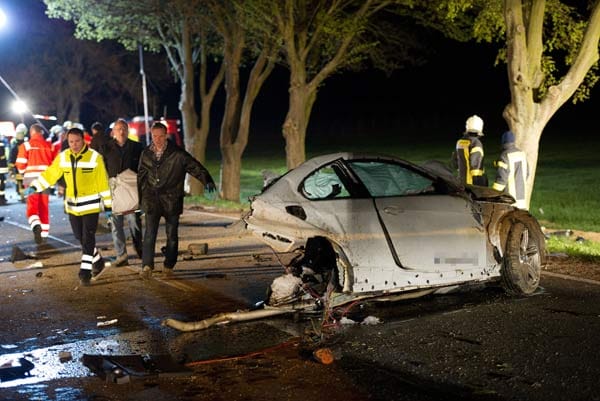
x=19 y=107
x=3 y=18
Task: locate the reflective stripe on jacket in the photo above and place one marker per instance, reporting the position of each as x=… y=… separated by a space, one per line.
x=469 y=154
x=512 y=173
x=3 y=160
x=33 y=158
x=87 y=188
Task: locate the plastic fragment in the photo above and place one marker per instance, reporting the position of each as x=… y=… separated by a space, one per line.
x=107 y=323
x=324 y=356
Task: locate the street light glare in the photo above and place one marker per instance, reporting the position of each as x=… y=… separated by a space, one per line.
x=2 y=18
x=19 y=107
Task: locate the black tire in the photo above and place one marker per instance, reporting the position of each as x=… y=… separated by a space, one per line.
x=522 y=261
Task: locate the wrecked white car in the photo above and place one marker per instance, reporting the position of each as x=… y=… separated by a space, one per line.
x=375 y=227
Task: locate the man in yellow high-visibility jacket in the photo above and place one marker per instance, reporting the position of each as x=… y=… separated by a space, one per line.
x=87 y=194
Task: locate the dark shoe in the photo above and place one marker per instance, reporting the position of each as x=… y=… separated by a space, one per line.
x=85 y=277
x=146 y=273
x=122 y=260
x=97 y=268
x=37 y=234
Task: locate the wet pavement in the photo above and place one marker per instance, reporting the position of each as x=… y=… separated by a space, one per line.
x=474 y=345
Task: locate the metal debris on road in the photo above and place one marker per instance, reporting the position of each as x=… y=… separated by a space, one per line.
x=107 y=323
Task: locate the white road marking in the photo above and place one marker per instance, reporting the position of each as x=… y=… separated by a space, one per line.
x=27 y=228
x=572 y=278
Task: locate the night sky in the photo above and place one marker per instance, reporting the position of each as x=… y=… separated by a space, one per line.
x=431 y=101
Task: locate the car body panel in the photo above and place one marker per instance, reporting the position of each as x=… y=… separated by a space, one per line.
x=441 y=235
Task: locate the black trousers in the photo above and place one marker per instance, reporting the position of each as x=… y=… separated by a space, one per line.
x=84 y=228
x=172 y=248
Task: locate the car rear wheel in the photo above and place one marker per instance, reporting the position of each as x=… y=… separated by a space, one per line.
x=522 y=261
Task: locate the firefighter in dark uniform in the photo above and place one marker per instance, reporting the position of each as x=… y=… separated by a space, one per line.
x=468 y=156
x=3 y=169
x=17 y=141
x=512 y=171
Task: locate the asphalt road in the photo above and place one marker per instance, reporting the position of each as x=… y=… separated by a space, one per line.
x=475 y=345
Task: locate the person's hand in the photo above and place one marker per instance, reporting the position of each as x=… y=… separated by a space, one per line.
x=28 y=191
x=107 y=214
x=210 y=187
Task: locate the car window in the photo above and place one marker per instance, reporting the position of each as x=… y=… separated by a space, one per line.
x=324 y=184
x=390 y=179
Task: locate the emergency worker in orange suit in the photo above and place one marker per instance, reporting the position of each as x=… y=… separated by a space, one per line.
x=33 y=158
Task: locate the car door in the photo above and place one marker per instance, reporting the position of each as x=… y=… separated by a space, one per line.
x=341 y=207
x=427 y=230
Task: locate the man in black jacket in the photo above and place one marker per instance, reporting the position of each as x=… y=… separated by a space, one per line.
x=120 y=154
x=161 y=175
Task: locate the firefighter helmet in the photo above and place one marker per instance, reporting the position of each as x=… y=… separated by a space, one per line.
x=57 y=129
x=474 y=124
x=21 y=128
x=508 y=137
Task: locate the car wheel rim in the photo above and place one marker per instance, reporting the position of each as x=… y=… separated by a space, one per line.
x=529 y=258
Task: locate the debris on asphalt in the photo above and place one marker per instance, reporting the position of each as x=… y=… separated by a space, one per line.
x=10 y=371
x=198 y=249
x=324 y=356
x=18 y=255
x=64 y=356
x=107 y=323
x=371 y=320
x=24 y=290
x=560 y=233
x=36 y=265
x=120 y=369
x=39 y=274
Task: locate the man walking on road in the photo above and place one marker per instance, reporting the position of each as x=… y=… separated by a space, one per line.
x=33 y=158
x=87 y=194
x=122 y=154
x=161 y=174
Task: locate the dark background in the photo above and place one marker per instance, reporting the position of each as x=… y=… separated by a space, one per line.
x=429 y=102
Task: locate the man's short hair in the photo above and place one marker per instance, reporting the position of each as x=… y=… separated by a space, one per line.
x=37 y=128
x=122 y=122
x=98 y=127
x=159 y=125
x=75 y=131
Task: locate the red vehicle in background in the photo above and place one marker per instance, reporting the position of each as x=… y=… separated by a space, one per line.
x=137 y=129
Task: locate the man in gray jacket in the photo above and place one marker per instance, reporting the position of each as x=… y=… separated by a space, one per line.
x=161 y=175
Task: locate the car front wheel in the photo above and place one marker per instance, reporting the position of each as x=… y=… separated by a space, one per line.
x=522 y=261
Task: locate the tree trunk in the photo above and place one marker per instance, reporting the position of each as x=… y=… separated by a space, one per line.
x=302 y=98
x=207 y=95
x=527 y=125
x=231 y=157
x=230 y=173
